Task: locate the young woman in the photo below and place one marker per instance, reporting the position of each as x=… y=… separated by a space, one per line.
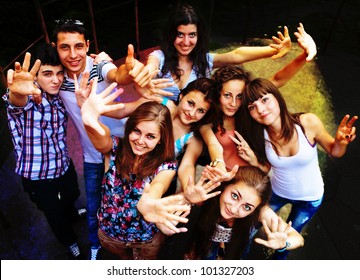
x=289 y=143
x=184 y=54
x=194 y=108
x=145 y=156
x=230 y=82
x=229 y=219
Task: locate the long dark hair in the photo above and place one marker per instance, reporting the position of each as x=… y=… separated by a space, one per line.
x=220 y=77
x=210 y=215
x=163 y=152
x=253 y=131
x=184 y=15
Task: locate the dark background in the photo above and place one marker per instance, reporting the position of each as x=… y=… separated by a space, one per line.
x=334 y=232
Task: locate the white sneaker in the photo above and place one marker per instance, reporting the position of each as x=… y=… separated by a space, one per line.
x=74 y=250
x=95 y=253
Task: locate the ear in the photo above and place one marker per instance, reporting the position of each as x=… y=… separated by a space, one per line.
x=88 y=45
x=53 y=44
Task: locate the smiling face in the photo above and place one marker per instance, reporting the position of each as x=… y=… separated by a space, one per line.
x=192 y=107
x=144 y=137
x=50 y=78
x=72 y=49
x=238 y=201
x=230 y=96
x=265 y=110
x=186 y=39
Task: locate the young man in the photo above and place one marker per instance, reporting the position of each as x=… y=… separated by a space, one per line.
x=72 y=45
x=37 y=120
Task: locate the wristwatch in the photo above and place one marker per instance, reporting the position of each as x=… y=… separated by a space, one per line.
x=214 y=162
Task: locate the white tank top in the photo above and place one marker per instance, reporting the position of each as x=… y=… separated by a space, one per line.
x=296 y=177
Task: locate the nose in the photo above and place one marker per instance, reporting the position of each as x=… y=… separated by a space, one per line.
x=233 y=102
x=55 y=79
x=72 y=52
x=141 y=139
x=260 y=108
x=186 y=40
x=192 y=112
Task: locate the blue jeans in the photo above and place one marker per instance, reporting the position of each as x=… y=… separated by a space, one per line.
x=93 y=175
x=300 y=215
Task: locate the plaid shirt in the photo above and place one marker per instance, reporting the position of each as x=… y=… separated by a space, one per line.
x=39 y=135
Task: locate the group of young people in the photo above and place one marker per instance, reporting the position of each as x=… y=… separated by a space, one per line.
x=136 y=152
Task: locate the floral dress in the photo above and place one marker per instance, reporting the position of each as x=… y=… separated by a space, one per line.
x=118 y=215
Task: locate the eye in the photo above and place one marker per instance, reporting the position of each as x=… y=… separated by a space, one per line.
x=136 y=131
x=47 y=74
x=79 y=46
x=239 y=96
x=251 y=107
x=201 y=111
x=227 y=95
x=192 y=35
x=64 y=47
x=191 y=103
x=234 y=196
x=265 y=99
x=150 y=137
x=180 y=35
x=247 y=208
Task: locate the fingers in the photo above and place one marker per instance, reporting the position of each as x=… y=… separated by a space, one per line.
x=35 y=67
x=26 y=63
x=236 y=141
x=10 y=76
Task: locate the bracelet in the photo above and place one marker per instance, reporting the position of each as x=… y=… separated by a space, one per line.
x=215 y=162
x=287 y=245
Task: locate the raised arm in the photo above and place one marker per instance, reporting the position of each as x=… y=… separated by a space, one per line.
x=280 y=235
x=21 y=81
x=94 y=106
x=308 y=45
x=336 y=147
x=127 y=72
x=240 y=55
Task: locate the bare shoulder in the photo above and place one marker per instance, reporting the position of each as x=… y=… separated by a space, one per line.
x=310 y=121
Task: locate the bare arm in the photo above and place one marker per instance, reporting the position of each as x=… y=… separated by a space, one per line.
x=336 y=147
x=308 y=45
x=94 y=106
x=187 y=166
x=243 y=54
x=215 y=148
x=278 y=231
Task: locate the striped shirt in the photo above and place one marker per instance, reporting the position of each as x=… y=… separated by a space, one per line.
x=39 y=135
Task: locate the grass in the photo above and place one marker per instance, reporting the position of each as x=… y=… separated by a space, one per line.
x=305 y=92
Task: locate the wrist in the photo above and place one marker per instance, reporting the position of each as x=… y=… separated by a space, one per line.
x=216 y=161
x=287 y=245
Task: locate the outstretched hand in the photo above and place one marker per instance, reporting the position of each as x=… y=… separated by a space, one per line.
x=306 y=42
x=21 y=80
x=346 y=132
x=276 y=232
x=98 y=104
x=282 y=43
x=102 y=56
x=154 y=90
x=201 y=191
x=166 y=212
x=217 y=174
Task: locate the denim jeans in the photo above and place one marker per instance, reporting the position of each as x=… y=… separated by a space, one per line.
x=300 y=215
x=93 y=175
